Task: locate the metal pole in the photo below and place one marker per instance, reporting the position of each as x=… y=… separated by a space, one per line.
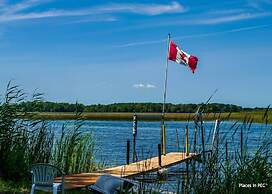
x=217 y=137
x=187 y=141
x=195 y=139
x=128 y=148
x=134 y=132
x=216 y=125
x=165 y=80
x=163 y=141
x=163 y=134
x=202 y=137
x=241 y=142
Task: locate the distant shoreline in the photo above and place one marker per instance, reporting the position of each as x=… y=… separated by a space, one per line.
x=258 y=117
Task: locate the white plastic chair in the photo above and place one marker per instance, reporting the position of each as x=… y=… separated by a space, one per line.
x=43 y=176
x=108 y=184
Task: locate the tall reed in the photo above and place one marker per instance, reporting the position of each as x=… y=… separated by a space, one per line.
x=24 y=142
x=233 y=168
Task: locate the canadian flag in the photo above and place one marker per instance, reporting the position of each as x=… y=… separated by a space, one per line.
x=181 y=57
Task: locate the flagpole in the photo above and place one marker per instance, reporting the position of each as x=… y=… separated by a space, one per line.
x=163 y=134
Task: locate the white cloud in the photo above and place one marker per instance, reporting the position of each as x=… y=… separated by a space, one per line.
x=93 y=19
x=10 y=9
x=141 y=43
x=226 y=11
x=150 y=86
x=46 y=14
x=231 y=18
x=12 y=12
x=138 y=85
x=234 y=30
x=145 y=9
x=144 y=86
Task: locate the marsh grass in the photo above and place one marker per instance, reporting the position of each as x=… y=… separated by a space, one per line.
x=257 y=116
x=24 y=141
x=74 y=150
x=233 y=167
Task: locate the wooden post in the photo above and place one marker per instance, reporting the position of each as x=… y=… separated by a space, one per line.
x=159 y=154
x=187 y=178
x=193 y=161
x=193 y=171
x=241 y=142
x=226 y=150
x=134 y=132
x=178 y=189
x=187 y=141
x=128 y=149
x=195 y=140
x=163 y=140
x=182 y=184
x=177 y=139
x=203 y=142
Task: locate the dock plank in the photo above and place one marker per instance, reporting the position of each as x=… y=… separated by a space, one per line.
x=145 y=166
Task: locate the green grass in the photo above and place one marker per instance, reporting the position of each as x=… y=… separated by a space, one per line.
x=257 y=116
x=25 y=187
x=24 y=142
x=14 y=187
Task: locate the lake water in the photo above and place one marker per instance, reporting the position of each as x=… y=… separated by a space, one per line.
x=111 y=139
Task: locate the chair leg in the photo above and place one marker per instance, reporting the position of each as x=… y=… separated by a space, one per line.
x=32 y=189
x=62 y=185
x=55 y=189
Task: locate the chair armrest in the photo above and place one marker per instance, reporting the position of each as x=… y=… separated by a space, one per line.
x=63 y=181
x=32 y=176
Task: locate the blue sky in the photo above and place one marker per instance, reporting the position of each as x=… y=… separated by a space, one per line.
x=115 y=51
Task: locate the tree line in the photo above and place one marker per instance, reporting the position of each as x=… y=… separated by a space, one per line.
x=39 y=106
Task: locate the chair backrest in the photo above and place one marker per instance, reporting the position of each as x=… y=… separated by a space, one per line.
x=44 y=174
x=108 y=184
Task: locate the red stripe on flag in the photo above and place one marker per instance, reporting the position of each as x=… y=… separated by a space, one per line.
x=172 y=51
x=192 y=63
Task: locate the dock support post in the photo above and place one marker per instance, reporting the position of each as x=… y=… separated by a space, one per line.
x=241 y=143
x=187 y=141
x=134 y=132
x=187 y=178
x=182 y=184
x=203 y=143
x=128 y=149
x=159 y=154
x=195 y=140
x=163 y=140
x=227 y=150
x=177 y=138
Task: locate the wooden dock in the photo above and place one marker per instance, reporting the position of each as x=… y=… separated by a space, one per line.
x=145 y=166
